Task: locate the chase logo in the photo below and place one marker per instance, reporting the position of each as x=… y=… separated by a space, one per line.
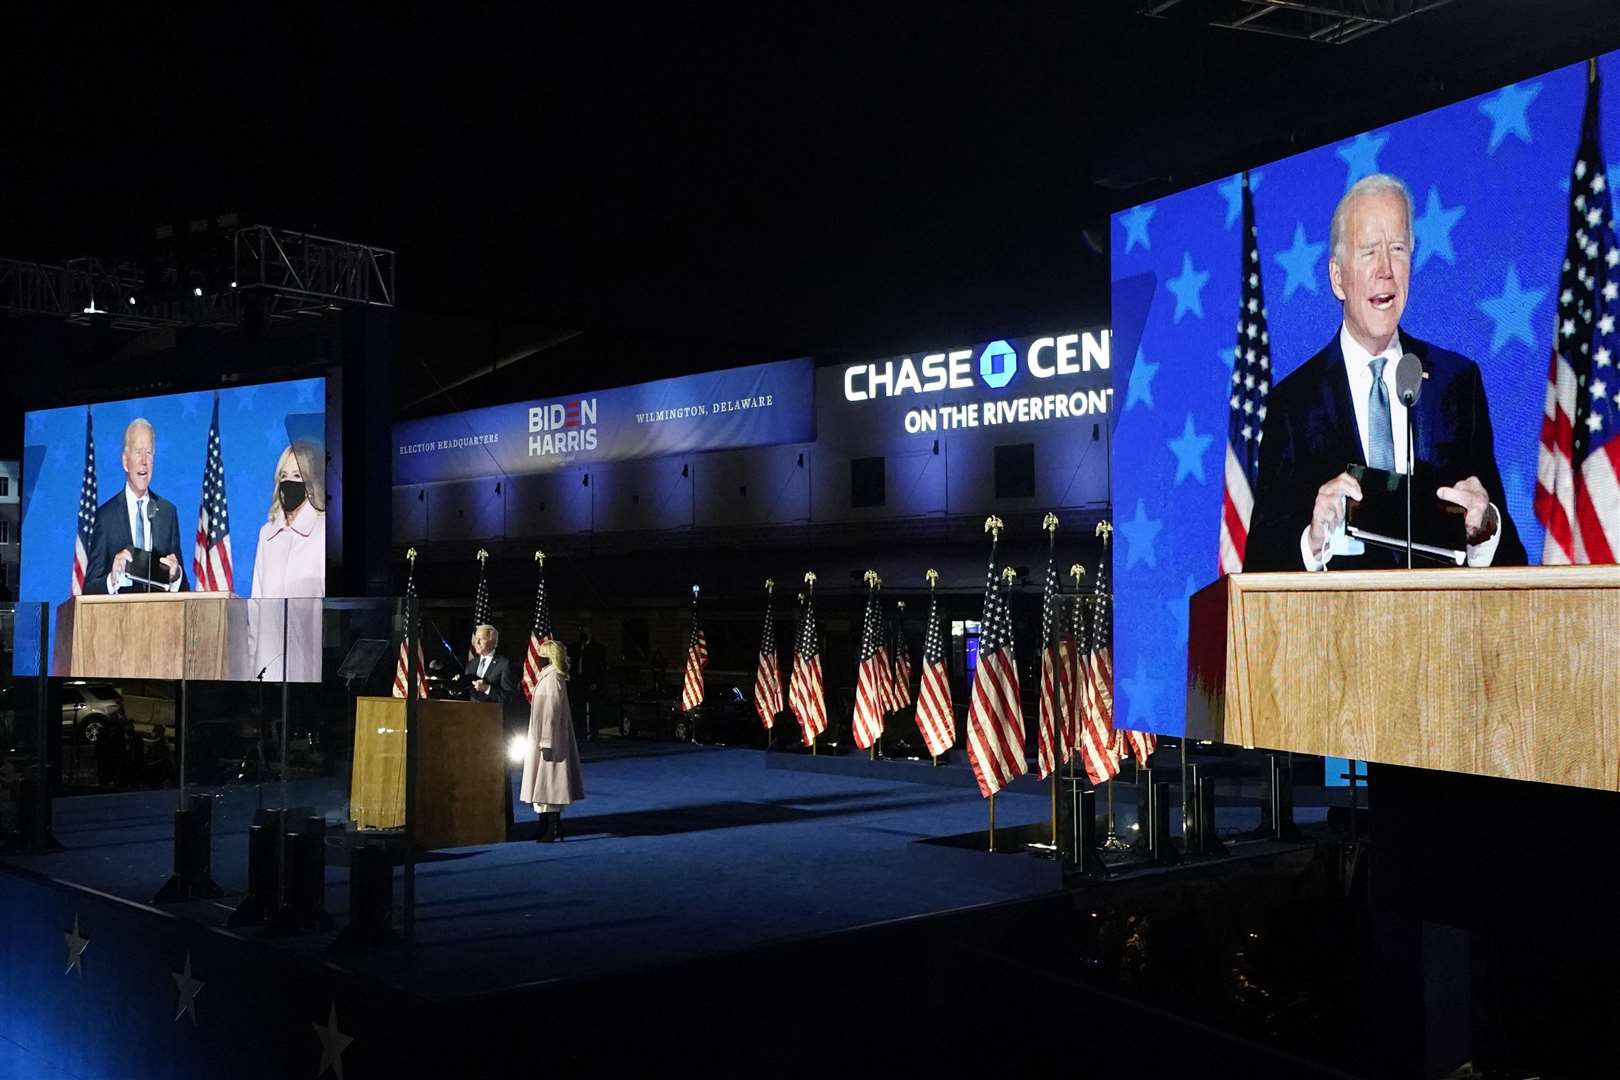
x=998 y=364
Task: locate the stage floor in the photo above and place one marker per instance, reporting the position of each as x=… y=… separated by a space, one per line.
x=677 y=852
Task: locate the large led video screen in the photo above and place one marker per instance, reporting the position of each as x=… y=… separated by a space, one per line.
x=219 y=491
x=1258 y=350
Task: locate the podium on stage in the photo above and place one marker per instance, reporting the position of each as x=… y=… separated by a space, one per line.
x=1496 y=671
x=459 y=780
x=183 y=635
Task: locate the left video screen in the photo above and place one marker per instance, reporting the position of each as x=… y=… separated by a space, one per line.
x=219 y=491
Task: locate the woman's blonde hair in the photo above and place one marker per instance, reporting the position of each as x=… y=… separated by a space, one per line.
x=556 y=656
x=311 y=459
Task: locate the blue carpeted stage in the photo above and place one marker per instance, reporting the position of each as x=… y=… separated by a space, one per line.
x=678 y=853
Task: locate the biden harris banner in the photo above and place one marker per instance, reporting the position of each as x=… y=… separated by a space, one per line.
x=759 y=405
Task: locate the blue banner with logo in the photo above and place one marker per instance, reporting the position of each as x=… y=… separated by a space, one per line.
x=759 y=405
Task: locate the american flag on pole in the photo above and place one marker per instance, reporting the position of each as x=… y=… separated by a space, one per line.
x=697 y=659
x=995 y=719
x=1098 y=750
x=1578 y=465
x=401 y=668
x=936 y=715
x=901 y=652
x=872 y=693
x=480 y=602
x=211 y=555
x=768 y=673
x=1246 y=407
x=87 y=510
x=539 y=631
x=807 y=693
x=1050 y=750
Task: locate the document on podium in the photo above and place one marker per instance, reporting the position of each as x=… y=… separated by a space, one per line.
x=1438 y=529
x=144 y=573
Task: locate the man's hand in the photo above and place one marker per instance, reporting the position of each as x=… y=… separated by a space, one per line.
x=173 y=563
x=1326 y=515
x=480 y=686
x=1478 y=520
x=120 y=563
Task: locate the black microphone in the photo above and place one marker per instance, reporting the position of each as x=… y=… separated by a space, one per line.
x=1408 y=385
x=1409 y=379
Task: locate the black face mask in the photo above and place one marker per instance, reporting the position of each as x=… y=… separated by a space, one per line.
x=292 y=496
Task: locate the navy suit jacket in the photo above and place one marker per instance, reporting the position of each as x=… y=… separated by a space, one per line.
x=1310 y=435
x=112 y=536
x=502 y=684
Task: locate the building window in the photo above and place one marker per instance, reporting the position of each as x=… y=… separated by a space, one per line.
x=867 y=482
x=1015 y=471
x=5 y=485
x=5 y=529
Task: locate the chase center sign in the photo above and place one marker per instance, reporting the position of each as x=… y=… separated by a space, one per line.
x=1001 y=382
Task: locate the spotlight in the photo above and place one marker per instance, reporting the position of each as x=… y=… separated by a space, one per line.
x=516 y=748
x=132 y=301
x=197 y=291
x=233 y=284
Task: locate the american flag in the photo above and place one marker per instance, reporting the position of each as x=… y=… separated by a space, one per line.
x=87 y=510
x=1097 y=740
x=1072 y=634
x=872 y=693
x=995 y=719
x=807 y=693
x=539 y=631
x=936 y=715
x=211 y=555
x=1050 y=750
x=697 y=659
x=768 y=674
x=401 y=675
x=480 y=602
x=901 y=683
x=1578 y=465
x=1246 y=407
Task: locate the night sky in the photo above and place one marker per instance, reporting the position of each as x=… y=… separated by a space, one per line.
x=687 y=191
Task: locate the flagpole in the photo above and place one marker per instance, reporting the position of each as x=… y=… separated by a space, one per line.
x=992 y=525
x=1111 y=841
x=992 y=848
x=933 y=577
x=1050 y=524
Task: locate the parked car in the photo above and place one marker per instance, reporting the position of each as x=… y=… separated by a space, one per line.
x=90 y=711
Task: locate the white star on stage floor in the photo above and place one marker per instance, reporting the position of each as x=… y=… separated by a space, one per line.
x=333 y=1043
x=188 y=988
x=76 y=944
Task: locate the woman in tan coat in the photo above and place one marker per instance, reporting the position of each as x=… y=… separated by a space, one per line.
x=551 y=776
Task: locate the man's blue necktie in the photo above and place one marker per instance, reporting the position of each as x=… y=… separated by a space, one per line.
x=140 y=524
x=1380 y=432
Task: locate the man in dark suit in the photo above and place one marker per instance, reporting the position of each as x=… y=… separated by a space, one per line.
x=491 y=676
x=136 y=519
x=1340 y=407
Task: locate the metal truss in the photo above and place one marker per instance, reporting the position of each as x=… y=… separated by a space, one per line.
x=288 y=272
x=82 y=291
x=1331 y=22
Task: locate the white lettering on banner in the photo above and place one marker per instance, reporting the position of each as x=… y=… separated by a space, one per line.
x=449 y=444
x=1046 y=357
x=571 y=441
x=1024 y=410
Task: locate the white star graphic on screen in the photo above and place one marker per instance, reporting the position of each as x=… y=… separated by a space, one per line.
x=76 y=944
x=333 y=1043
x=188 y=988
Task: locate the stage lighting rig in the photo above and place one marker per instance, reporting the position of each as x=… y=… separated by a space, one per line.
x=1330 y=22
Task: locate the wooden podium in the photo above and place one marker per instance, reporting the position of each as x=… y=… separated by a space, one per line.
x=183 y=635
x=459 y=781
x=1506 y=672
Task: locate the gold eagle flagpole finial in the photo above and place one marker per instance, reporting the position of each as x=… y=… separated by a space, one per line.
x=1104 y=530
x=1009 y=575
x=993 y=526
x=810 y=578
x=933 y=578
x=871 y=579
x=770 y=586
x=1050 y=523
x=1077 y=572
x=540 y=557
x=410 y=557
x=482 y=556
